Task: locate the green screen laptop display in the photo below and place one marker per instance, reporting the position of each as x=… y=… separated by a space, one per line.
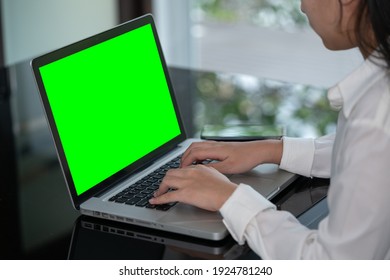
x=111 y=105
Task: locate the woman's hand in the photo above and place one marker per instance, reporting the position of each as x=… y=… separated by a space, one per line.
x=234 y=157
x=203 y=185
x=198 y=185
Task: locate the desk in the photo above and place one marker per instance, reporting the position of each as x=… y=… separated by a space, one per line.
x=37 y=219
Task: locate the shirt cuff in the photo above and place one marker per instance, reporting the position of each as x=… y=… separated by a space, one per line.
x=298 y=155
x=241 y=207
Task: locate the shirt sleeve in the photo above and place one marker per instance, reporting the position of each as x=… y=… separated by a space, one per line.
x=251 y=218
x=308 y=157
x=298 y=155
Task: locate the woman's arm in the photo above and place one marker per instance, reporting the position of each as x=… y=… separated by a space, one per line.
x=234 y=157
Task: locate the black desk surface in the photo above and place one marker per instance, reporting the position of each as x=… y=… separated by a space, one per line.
x=37 y=219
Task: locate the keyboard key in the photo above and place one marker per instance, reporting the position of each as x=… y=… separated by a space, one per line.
x=151 y=206
x=133 y=200
x=165 y=207
x=148 y=191
x=143 y=202
x=121 y=200
x=128 y=195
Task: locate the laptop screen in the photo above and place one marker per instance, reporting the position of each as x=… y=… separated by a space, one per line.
x=111 y=105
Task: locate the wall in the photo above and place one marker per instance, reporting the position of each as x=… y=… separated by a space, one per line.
x=33 y=27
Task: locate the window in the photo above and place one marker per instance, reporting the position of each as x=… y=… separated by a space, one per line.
x=265 y=38
x=260 y=38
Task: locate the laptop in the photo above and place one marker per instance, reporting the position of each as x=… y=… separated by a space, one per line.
x=103 y=239
x=116 y=126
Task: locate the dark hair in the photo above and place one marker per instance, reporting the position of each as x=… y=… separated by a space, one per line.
x=377 y=14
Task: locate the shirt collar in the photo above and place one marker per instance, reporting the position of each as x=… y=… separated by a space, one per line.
x=349 y=91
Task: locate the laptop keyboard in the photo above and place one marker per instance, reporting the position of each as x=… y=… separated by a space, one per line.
x=141 y=191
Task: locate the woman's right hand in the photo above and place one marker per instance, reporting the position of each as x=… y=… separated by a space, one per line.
x=234 y=157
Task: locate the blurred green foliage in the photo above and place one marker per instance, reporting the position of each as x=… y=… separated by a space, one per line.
x=277 y=13
x=241 y=99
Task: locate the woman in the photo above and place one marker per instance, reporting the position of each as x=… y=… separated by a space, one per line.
x=356 y=158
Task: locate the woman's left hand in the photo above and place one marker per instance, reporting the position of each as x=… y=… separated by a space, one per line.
x=198 y=185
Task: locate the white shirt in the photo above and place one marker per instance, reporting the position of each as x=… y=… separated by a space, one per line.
x=357 y=159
